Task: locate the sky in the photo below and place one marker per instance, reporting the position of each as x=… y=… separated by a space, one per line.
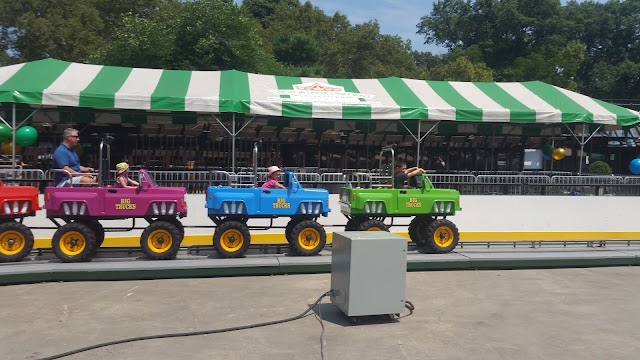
x=396 y=17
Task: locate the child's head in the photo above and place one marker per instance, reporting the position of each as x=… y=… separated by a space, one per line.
x=122 y=168
x=274 y=172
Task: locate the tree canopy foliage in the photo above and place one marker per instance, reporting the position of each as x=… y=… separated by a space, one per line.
x=588 y=46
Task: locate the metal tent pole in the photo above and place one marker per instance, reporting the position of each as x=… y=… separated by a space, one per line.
x=419 y=138
x=233 y=142
x=13 y=140
x=583 y=141
x=553 y=145
x=418 y=147
x=233 y=134
x=582 y=148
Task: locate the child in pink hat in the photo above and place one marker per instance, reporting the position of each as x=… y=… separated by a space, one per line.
x=123 y=176
x=274 y=175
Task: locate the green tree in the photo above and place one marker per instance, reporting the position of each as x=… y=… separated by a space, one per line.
x=70 y=30
x=362 y=52
x=296 y=49
x=197 y=35
x=461 y=69
x=263 y=9
x=600 y=168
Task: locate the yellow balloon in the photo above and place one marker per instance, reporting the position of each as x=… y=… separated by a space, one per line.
x=6 y=148
x=559 y=154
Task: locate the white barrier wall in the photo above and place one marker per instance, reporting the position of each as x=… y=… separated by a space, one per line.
x=480 y=213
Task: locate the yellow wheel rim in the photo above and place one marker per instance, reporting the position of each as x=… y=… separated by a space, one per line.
x=309 y=239
x=159 y=241
x=11 y=242
x=374 y=228
x=443 y=236
x=231 y=240
x=72 y=243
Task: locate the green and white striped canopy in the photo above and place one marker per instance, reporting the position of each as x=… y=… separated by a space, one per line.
x=59 y=83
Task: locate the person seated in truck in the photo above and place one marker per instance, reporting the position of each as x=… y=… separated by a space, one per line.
x=122 y=179
x=274 y=176
x=402 y=174
x=66 y=158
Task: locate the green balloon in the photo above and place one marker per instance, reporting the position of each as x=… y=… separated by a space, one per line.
x=5 y=132
x=547 y=150
x=26 y=136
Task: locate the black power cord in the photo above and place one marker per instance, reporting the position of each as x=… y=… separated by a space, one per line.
x=193 y=333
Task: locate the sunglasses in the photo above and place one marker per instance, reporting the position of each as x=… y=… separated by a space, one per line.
x=75 y=136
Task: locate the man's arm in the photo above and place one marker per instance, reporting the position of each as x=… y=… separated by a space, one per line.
x=87 y=169
x=415 y=171
x=66 y=167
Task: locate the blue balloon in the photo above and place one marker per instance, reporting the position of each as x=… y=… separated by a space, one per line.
x=546 y=157
x=634 y=166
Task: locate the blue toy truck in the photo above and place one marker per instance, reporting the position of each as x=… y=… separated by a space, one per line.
x=231 y=208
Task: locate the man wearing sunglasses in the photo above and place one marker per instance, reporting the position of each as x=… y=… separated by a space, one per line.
x=66 y=158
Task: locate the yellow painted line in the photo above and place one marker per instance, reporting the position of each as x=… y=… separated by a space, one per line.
x=472 y=236
x=509 y=236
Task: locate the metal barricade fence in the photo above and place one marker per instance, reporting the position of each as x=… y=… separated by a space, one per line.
x=632 y=180
x=632 y=186
x=513 y=184
x=333 y=182
x=262 y=176
x=501 y=172
x=545 y=172
x=359 y=180
x=525 y=184
x=219 y=178
x=587 y=185
x=21 y=176
x=196 y=182
x=454 y=181
x=241 y=180
x=308 y=178
x=333 y=177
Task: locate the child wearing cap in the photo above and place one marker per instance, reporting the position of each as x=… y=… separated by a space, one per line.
x=274 y=175
x=123 y=176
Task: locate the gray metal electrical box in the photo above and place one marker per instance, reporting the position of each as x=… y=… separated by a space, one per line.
x=368 y=270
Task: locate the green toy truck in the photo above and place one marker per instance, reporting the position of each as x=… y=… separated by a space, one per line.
x=367 y=208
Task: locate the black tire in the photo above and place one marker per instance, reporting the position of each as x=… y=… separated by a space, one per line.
x=417 y=229
x=16 y=241
x=73 y=242
x=231 y=239
x=98 y=231
x=442 y=236
x=308 y=238
x=178 y=226
x=373 y=225
x=354 y=223
x=287 y=233
x=289 y=228
x=160 y=240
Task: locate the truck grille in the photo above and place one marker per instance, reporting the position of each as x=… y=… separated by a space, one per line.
x=15 y=207
x=310 y=208
x=373 y=207
x=164 y=208
x=74 y=208
x=233 y=207
x=443 y=207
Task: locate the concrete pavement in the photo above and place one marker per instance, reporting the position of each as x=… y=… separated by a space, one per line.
x=586 y=313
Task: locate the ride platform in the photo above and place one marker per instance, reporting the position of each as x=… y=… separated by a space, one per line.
x=130 y=264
